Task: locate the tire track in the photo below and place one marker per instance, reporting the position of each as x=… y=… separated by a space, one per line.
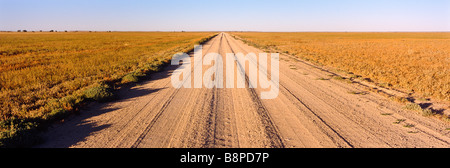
x=320 y=119
x=163 y=108
x=212 y=116
x=270 y=128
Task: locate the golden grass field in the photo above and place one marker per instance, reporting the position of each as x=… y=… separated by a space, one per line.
x=414 y=62
x=43 y=74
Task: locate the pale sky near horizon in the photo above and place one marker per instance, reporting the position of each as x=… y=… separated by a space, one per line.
x=226 y=15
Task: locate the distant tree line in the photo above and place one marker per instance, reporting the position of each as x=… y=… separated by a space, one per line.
x=39 y=31
x=42 y=31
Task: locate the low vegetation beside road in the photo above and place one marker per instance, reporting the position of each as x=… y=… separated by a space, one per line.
x=44 y=75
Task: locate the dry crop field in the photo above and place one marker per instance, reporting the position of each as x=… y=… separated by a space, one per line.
x=414 y=62
x=44 y=75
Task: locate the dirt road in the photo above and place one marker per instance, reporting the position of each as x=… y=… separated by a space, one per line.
x=311 y=110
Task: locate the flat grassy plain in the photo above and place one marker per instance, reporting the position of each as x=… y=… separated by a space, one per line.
x=415 y=62
x=45 y=75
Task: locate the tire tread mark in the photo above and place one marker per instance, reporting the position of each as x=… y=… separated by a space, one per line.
x=212 y=118
x=270 y=128
x=318 y=117
x=163 y=108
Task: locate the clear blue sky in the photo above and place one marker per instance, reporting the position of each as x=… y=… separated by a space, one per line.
x=226 y=15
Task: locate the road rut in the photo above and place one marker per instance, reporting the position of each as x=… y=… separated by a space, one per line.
x=312 y=110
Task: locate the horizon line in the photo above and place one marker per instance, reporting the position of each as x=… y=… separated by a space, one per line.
x=63 y=31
